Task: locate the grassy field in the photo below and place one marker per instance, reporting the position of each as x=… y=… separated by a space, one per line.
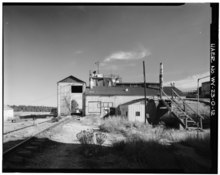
x=204 y=109
x=158 y=148
x=22 y=113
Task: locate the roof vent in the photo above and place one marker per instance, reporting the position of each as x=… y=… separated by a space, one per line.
x=126 y=90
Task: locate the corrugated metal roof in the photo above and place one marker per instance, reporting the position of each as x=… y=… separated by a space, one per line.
x=167 y=90
x=71 y=79
x=137 y=83
x=128 y=91
x=207 y=82
x=132 y=102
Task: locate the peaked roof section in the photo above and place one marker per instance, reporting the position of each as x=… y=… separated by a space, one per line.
x=128 y=91
x=71 y=79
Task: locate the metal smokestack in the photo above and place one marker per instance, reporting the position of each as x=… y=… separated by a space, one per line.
x=161 y=79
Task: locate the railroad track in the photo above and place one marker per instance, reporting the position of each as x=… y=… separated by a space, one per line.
x=17 y=155
x=26 y=127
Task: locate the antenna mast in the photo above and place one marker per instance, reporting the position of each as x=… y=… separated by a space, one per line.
x=97 y=63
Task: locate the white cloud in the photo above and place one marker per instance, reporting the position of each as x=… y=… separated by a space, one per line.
x=78 y=52
x=189 y=83
x=133 y=55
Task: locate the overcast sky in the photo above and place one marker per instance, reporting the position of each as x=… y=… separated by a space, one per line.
x=44 y=44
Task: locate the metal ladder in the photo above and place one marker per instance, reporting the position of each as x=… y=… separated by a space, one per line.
x=180 y=112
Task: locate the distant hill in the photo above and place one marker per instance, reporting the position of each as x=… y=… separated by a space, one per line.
x=31 y=108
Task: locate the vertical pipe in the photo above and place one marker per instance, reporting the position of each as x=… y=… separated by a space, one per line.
x=171 y=91
x=198 y=100
x=145 y=104
x=58 y=100
x=97 y=63
x=200 y=119
x=161 y=79
x=171 y=96
x=90 y=84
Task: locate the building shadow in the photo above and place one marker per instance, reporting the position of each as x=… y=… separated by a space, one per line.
x=135 y=157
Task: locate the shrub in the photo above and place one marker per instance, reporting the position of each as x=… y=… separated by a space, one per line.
x=85 y=137
x=74 y=106
x=56 y=119
x=100 y=138
x=116 y=125
x=145 y=154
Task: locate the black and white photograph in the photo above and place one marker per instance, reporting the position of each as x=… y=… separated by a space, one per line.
x=110 y=87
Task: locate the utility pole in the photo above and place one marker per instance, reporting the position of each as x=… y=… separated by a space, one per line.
x=161 y=79
x=145 y=103
x=97 y=63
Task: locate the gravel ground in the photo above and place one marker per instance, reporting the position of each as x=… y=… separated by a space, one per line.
x=14 y=138
x=63 y=150
x=66 y=133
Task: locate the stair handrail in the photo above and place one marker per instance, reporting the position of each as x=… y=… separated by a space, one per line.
x=179 y=107
x=187 y=104
x=169 y=108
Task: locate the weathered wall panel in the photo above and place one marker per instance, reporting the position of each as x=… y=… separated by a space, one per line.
x=65 y=96
x=136 y=113
x=115 y=100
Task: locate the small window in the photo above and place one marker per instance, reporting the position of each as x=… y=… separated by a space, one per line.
x=76 y=89
x=105 y=105
x=137 y=113
x=110 y=104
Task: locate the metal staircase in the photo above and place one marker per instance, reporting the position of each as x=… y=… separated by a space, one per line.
x=187 y=116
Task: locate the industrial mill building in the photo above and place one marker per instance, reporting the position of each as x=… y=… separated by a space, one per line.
x=104 y=92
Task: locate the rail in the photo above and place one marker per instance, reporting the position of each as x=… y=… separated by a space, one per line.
x=179 y=107
x=25 y=127
x=31 y=137
x=187 y=105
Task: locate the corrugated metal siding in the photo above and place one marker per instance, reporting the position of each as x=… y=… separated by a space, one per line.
x=65 y=97
x=132 y=109
x=64 y=94
x=94 y=107
x=115 y=100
